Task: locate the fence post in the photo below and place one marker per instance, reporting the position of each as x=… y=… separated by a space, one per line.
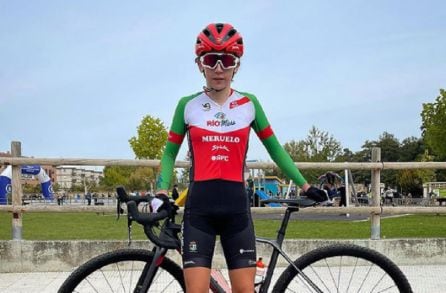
x=376 y=195
x=16 y=151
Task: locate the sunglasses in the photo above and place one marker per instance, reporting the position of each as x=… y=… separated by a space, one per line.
x=227 y=61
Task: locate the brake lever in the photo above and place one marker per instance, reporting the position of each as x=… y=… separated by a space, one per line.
x=119 y=209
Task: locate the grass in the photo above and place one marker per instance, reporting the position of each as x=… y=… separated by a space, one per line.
x=92 y=226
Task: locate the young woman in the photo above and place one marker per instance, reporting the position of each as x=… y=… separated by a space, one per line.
x=217 y=122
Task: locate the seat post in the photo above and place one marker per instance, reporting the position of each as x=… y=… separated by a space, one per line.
x=284 y=224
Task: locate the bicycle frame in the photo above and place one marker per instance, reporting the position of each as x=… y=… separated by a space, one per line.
x=149 y=272
x=277 y=250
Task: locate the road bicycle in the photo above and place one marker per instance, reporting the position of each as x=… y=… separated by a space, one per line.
x=334 y=268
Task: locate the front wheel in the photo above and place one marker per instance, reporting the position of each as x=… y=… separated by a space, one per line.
x=120 y=271
x=343 y=268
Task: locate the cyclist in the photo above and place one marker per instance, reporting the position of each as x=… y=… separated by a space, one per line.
x=217 y=122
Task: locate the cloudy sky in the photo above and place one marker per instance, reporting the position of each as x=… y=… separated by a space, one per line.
x=77 y=77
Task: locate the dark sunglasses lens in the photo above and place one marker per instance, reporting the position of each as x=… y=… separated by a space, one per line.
x=227 y=60
x=210 y=60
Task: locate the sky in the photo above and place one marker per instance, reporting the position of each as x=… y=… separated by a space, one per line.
x=77 y=77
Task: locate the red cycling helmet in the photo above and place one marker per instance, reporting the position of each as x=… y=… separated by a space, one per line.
x=219 y=37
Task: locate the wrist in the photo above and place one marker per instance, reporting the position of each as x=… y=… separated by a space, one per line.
x=305 y=187
x=162 y=191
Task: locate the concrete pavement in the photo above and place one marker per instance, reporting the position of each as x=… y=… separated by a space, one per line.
x=423 y=279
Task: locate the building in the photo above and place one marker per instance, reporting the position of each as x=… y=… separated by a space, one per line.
x=69 y=176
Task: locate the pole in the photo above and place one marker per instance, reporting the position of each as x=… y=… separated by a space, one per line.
x=16 y=151
x=376 y=195
x=347 y=191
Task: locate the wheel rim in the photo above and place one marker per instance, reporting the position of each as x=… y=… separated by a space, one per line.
x=123 y=276
x=344 y=274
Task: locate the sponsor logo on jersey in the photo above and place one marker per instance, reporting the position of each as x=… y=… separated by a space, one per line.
x=206 y=106
x=220 y=115
x=218 y=123
x=220 y=138
x=220 y=158
x=238 y=102
x=220 y=147
x=221 y=120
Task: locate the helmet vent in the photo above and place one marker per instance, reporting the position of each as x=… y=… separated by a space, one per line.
x=219 y=27
x=206 y=32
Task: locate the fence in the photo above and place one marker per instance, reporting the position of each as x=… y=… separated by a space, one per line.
x=375 y=166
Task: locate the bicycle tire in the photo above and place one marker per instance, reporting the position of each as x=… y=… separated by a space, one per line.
x=344 y=268
x=118 y=271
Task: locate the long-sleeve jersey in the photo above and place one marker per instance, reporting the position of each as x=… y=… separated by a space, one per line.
x=218 y=137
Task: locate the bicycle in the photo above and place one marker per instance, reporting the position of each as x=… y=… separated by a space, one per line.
x=334 y=268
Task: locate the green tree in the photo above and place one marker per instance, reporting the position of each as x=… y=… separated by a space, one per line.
x=322 y=147
x=390 y=152
x=132 y=178
x=318 y=146
x=434 y=125
x=411 y=148
x=150 y=140
x=411 y=180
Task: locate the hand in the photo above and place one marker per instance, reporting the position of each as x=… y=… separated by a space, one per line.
x=160 y=202
x=316 y=194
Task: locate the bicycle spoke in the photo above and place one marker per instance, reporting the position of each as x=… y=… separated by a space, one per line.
x=343 y=274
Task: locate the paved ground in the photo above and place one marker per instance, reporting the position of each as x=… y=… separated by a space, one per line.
x=423 y=279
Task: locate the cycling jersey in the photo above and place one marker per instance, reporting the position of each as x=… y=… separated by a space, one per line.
x=218 y=138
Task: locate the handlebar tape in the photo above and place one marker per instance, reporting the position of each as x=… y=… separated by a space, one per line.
x=143 y=218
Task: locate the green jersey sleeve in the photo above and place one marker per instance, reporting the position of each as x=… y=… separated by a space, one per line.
x=278 y=154
x=175 y=139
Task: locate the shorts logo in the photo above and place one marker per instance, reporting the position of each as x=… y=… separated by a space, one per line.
x=193 y=246
x=242 y=251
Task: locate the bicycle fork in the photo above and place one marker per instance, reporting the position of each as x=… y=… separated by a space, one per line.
x=150 y=270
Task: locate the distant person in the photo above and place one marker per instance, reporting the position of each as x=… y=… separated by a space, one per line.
x=175 y=193
x=88 y=198
x=343 y=201
x=260 y=263
x=388 y=195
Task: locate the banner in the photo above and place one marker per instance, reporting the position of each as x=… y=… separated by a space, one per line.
x=36 y=170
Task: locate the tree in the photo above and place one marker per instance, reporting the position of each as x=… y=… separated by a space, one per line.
x=390 y=152
x=151 y=139
x=149 y=144
x=411 y=180
x=411 y=148
x=318 y=146
x=322 y=147
x=132 y=178
x=434 y=125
